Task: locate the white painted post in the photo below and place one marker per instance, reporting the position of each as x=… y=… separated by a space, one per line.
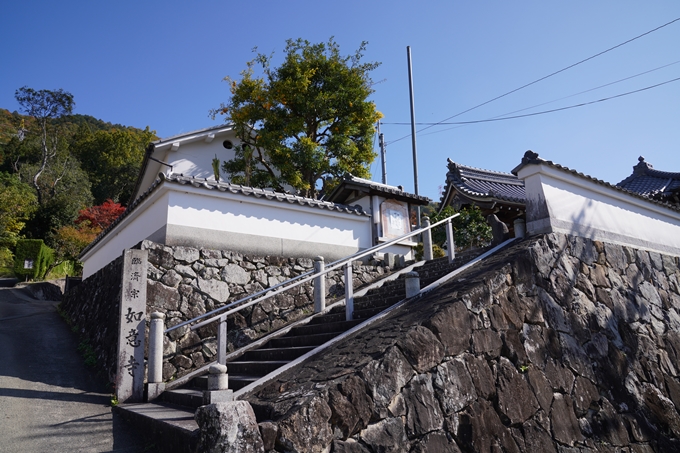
x=412 y=284
x=156 y=347
x=450 y=242
x=155 y=385
x=222 y=341
x=319 y=285
x=349 y=292
x=427 y=240
x=520 y=228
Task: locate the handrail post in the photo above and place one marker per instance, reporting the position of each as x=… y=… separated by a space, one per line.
x=319 y=285
x=155 y=379
x=349 y=292
x=450 y=242
x=222 y=341
x=427 y=240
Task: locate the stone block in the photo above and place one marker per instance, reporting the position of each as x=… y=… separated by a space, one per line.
x=422 y=349
x=228 y=427
x=516 y=400
x=565 y=426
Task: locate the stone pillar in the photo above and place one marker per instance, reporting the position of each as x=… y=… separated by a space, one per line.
x=520 y=228
x=218 y=386
x=412 y=284
x=450 y=241
x=319 y=285
x=156 y=386
x=427 y=240
x=132 y=328
x=222 y=340
x=349 y=292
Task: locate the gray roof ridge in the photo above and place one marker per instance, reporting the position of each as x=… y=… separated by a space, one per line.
x=224 y=187
x=187 y=134
x=532 y=158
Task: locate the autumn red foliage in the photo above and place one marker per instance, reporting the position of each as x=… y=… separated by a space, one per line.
x=101 y=216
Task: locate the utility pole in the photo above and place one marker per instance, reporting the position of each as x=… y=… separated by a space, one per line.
x=383 y=156
x=413 y=128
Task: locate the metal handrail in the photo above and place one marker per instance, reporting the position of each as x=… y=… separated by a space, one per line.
x=278 y=289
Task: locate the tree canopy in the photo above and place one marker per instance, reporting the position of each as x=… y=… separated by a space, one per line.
x=44 y=105
x=57 y=164
x=305 y=122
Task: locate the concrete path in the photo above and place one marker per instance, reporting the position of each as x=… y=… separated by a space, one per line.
x=49 y=400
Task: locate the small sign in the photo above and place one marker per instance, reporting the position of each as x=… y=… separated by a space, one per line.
x=132 y=328
x=28 y=264
x=394 y=218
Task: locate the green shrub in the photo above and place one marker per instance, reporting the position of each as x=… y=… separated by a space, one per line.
x=69 y=267
x=36 y=252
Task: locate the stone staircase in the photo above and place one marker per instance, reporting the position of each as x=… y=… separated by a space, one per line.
x=174 y=410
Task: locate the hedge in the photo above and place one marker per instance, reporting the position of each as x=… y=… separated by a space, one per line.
x=35 y=251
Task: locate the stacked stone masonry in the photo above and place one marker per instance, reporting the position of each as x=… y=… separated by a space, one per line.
x=557 y=344
x=185 y=282
x=93 y=308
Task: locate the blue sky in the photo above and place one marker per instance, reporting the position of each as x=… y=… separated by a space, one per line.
x=161 y=64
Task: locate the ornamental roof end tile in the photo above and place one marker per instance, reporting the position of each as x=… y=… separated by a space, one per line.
x=643 y=169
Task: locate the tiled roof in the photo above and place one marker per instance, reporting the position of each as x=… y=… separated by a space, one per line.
x=649 y=182
x=350 y=182
x=484 y=184
x=231 y=188
x=531 y=157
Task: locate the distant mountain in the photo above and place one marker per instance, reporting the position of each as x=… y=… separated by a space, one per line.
x=11 y=122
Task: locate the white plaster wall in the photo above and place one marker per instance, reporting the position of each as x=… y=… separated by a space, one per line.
x=147 y=219
x=581 y=207
x=228 y=212
x=195 y=159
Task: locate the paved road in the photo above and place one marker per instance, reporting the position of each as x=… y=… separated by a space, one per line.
x=49 y=400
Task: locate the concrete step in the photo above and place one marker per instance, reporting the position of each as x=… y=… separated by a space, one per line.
x=276 y=353
x=260 y=367
x=307 y=340
x=335 y=316
x=186 y=397
x=314 y=329
x=173 y=428
x=238 y=381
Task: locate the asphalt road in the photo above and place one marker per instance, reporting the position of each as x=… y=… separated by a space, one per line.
x=49 y=400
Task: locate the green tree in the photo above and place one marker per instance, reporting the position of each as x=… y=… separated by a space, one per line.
x=469 y=228
x=45 y=105
x=112 y=159
x=17 y=203
x=304 y=123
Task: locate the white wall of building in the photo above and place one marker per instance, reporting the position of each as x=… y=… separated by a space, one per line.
x=177 y=214
x=147 y=221
x=559 y=201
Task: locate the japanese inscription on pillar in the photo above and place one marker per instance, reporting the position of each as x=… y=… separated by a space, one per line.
x=131 y=333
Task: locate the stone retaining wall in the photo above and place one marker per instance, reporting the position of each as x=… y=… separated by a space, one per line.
x=93 y=309
x=186 y=282
x=556 y=345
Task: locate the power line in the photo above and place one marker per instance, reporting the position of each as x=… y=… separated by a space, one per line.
x=543 y=112
x=591 y=89
x=543 y=78
x=565 y=97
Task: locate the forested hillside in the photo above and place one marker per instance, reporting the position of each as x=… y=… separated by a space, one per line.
x=59 y=171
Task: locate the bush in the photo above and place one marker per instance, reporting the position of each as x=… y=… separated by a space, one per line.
x=469 y=228
x=35 y=251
